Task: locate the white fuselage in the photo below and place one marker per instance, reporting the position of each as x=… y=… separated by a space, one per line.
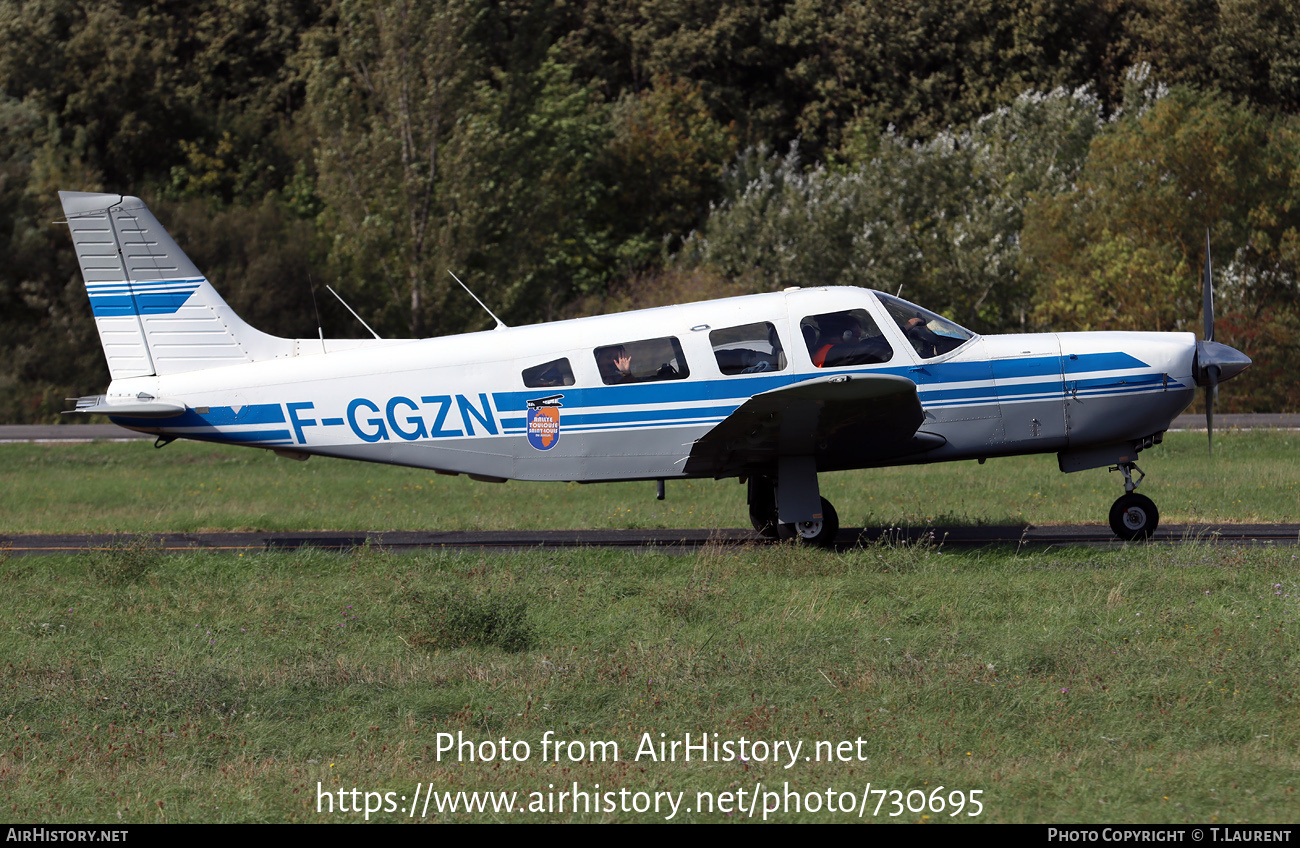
x=460 y=403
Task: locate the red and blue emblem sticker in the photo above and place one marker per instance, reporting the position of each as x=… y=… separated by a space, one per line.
x=544 y=422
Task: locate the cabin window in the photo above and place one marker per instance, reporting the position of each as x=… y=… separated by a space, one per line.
x=851 y=337
x=645 y=361
x=930 y=334
x=748 y=349
x=554 y=373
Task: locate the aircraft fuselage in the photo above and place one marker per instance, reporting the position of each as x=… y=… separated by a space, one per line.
x=461 y=403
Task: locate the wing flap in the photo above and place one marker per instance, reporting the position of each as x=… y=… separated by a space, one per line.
x=844 y=420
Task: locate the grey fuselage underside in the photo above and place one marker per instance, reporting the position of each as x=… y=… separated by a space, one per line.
x=976 y=432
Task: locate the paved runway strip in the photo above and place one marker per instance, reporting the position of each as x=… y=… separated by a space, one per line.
x=681 y=541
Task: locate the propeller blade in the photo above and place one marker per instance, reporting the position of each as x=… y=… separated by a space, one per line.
x=1213 y=362
x=1207 y=297
x=1211 y=398
x=1211 y=372
x=1209 y=419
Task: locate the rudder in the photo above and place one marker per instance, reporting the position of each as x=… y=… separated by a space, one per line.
x=155 y=311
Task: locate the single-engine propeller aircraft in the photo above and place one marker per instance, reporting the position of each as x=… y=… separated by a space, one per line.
x=771 y=388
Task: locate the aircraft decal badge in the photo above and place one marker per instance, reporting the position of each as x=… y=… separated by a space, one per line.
x=544 y=422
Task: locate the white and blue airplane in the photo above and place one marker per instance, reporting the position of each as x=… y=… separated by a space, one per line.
x=773 y=389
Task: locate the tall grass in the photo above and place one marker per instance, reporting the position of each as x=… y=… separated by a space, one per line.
x=1135 y=684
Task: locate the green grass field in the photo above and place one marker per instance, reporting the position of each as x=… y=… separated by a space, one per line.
x=1135 y=684
x=188 y=486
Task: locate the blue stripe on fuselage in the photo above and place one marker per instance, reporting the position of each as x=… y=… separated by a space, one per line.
x=641 y=404
x=742 y=388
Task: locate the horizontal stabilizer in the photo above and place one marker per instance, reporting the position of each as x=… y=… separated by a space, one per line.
x=138 y=407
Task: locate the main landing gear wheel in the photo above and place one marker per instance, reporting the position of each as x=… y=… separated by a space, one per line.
x=762 y=506
x=821 y=532
x=764 y=524
x=1134 y=517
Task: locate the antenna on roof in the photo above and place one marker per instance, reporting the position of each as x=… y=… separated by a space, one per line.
x=353 y=311
x=320 y=328
x=501 y=325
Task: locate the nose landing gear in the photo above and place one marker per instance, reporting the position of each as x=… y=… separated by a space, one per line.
x=1133 y=516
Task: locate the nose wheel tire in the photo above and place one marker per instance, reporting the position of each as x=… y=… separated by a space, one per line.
x=820 y=532
x=1134 y=517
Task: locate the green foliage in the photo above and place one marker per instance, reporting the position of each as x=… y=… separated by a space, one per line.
x=925 y=68
x=1248 y=49
x=668 y=157
x=122 y=83
x=532 y=164
x=727 y=49
x=383 y=89
x=938 y=220
x=261 y=258
x=559 y=153
x=1123 y=249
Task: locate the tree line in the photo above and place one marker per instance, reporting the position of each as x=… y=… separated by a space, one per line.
x=1024 y=165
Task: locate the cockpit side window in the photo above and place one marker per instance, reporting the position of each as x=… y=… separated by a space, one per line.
x=645 y=361
x=930 y=334
x=748 y=349
x=851 y=337
x=554 y=373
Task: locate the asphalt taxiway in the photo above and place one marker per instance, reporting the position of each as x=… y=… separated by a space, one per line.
x=681 y=541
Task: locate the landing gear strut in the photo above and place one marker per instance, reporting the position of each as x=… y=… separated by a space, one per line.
x=1133 y=516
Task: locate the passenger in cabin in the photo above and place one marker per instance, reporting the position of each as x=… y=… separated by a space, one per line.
x=928 y=343
x=548 y=379
x=844 y=339
x=773 y=362
x=615 y=365
x=837 y=332
x=840 y=335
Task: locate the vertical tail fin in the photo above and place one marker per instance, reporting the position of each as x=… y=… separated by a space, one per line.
x=155 y=311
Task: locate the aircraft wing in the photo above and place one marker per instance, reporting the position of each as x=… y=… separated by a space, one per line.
x=844 y=421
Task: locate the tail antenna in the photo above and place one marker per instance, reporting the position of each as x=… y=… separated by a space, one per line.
x=353 y=311
x=501 y=325
x=320 y=328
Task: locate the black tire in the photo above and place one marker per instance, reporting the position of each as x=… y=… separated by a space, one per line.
x=762 y=506
x=820 y=533
x=1134 y=517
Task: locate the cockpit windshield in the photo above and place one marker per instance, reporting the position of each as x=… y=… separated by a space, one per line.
x=930 y=334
